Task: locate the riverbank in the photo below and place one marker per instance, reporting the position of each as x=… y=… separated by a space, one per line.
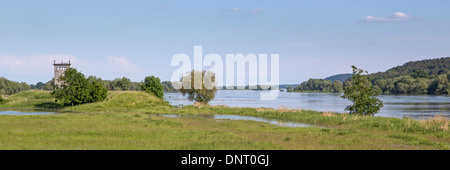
x=132 y=120
x=416 y=107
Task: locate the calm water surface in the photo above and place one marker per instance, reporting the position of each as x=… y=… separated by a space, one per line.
x=251 y=118
x=418 y=107
x=24 y=113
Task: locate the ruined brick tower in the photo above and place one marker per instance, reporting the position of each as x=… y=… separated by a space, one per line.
x=60 y=68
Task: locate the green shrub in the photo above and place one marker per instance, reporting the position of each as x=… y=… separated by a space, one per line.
x=2 y=101
x=79 y=90
x=153 y=85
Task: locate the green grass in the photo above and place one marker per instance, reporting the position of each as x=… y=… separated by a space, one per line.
x=129 y=120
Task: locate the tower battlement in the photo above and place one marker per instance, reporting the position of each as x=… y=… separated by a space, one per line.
x=60 y=68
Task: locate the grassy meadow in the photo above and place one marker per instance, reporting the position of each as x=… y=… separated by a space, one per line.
x=131 y=120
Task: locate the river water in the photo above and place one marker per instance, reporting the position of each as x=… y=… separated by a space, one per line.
x=417 y=107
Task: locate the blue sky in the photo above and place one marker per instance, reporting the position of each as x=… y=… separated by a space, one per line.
x=314 y=38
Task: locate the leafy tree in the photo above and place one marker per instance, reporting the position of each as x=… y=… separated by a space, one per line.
x=50 y=85
x=336 y=87
x=39 y=85
x=359 y=91
x=8 y=87
x=79 y=90
x=208 y=89
x=121 y=84
x=167 y=86
x=420 y=74
x=153 y=85
x=320 y=85
x=440 y=85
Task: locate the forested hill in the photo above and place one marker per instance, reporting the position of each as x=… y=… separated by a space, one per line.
x=339 y=77
x=419 y=77
x=432 y=67
x=414 y=78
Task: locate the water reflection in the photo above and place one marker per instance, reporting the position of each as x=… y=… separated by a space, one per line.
x=23 y=113
x=250 y=118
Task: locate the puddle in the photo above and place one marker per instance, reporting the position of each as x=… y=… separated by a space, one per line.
x=24 y=113
x=250 y=118
x=261 y=119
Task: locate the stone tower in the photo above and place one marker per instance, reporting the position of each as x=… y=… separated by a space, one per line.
x=60 y=68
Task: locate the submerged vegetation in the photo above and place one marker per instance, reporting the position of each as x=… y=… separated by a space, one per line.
x=131 y=120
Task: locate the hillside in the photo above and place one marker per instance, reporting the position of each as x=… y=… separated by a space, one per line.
x=417 y=78
x=413 y=78
x=339 y=77
x=115 y=100
x=432 y=67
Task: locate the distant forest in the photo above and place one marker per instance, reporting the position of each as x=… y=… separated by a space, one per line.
x=414 y=78
x=418 y=77
x=8 y=87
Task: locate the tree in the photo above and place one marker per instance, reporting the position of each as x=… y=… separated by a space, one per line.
x=289 y=89
x=420 y=74
x=167 y=86
x=359 y=91
x=50 y=85
x=39 y=85
x=8 y=87
x=208 y=89
x=440 y=86
x=152 y=85
x=336 y=87
x=79 y=90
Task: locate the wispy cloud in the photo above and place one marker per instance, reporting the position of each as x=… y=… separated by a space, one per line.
x=255 y=11
x=396 y=17
x=237 y=12
x=233 y=10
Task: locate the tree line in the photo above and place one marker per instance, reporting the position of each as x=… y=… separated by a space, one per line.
x=8 y=87
x=416 y=78
x=413 y=78
x=319 y=85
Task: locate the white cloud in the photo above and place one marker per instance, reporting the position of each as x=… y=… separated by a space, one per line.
x=396 y=17
x=239 y=12
x=41 y=66
x=255 y=11
x=234 y=10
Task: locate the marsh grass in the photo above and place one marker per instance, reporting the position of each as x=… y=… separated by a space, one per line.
x=437 y=122
x=129 y=120
x=280 y=109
